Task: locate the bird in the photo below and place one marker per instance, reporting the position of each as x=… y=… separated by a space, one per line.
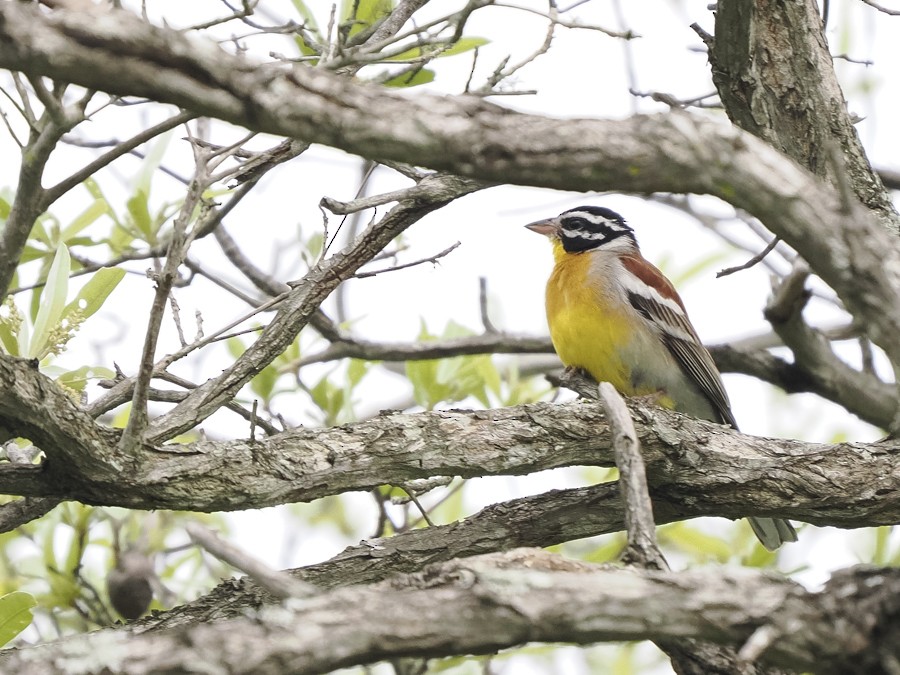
x=613 y=314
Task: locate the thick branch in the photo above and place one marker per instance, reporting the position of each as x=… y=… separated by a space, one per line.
x=863 y=394
x=483 y=604
x=844 y=484
x=775 y=76
x=116 y=52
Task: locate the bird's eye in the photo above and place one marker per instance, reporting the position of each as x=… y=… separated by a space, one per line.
x=576 y=224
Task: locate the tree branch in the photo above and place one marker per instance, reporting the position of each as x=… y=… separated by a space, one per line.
x=791 y=99
x=486 y=603
x=861 y=393
x=675 y=152
x=848 y=485
x=301 y=302
x=22 y=511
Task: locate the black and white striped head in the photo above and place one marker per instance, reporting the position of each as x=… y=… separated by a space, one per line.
x=585 y=228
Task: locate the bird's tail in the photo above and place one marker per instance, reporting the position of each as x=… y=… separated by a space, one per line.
x=773 y=532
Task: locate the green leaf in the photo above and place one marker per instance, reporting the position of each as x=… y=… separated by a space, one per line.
x=488 y=373
x=37 y=296
x=460 y=46
x=4 y=209
x=608 y=551
x=314 y=245
x=365 y=12
x=77 y=379
x=882 y=540
x=423 y=76
x=697 y=543
x=140 y=215
x=151 y=162
x=329 y=398
x=427 y=391
x=98 y=208
x=235 y=347
x=463 y=45
x=10 y=345
x=39 y=232
x=23 y=339
x=80 y=523
x=356 y=371
x=53 y=301
x=94 y=190
x=15 y=614
x=81 y=241
x=96 y=291
x=306 y=49
x=263 y=384
x=138 y=203
x=30 y=253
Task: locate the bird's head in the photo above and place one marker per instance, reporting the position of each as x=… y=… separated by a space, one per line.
x=586 y=228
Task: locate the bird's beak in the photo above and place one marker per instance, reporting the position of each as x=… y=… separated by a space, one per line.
x=548 y=227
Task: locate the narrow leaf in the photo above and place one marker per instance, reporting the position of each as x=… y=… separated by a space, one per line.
x=77 y=379
x=53 y=301
x=8 y=340
x=88 y=216
x=137 y=206
x=423 y=76
x=464 y=45
x=364 y=13
x=96 y=291
x=152 y=161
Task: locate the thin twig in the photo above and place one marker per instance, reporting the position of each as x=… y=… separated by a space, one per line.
x=279 y=584
x=849 y=59
x=176 y=317
x=575 y=24
x=178 y=396
x=415 y=500
x=891 y=12
x=344 y=208
x=753 y=261
x=367 y=169
x=53 y=193
x=486 y=322
x=432 y=259
x=177 y=249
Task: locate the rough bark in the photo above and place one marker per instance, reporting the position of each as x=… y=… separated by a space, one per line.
x=847 y=484
x=774 y=73
x=483 y=604
x=693 y=468
x=116 y=52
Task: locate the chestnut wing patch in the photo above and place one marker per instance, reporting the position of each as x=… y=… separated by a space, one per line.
x=681 y=340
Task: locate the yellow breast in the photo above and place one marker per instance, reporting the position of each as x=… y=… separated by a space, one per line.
x=586 y=332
